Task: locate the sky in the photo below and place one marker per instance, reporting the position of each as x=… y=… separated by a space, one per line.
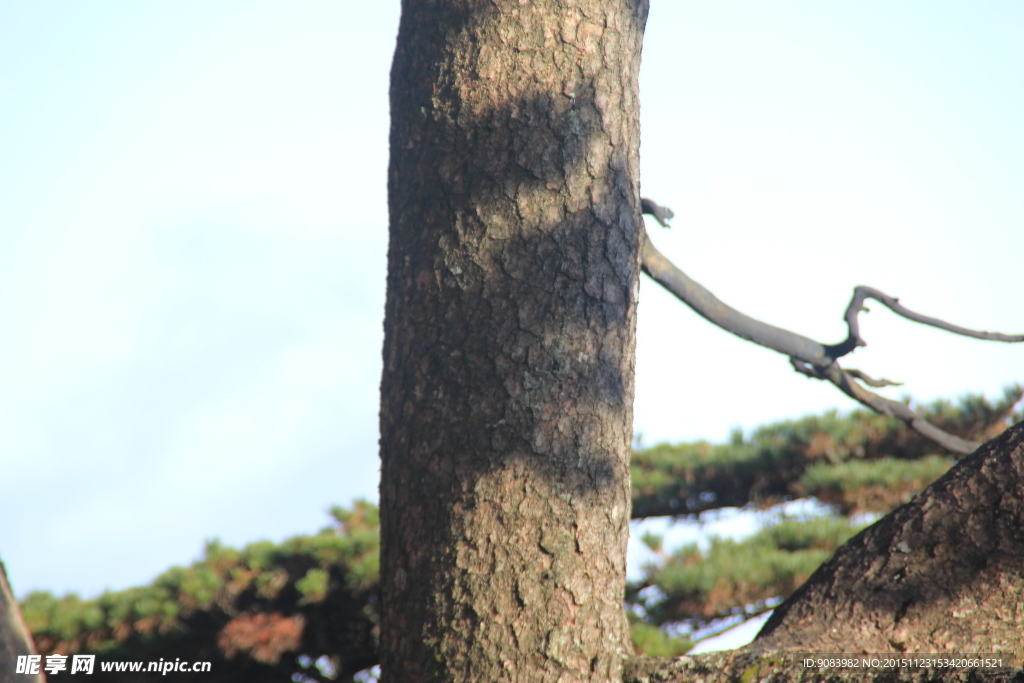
x=193 y=225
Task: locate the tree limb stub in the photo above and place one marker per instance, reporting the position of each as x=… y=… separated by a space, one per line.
x=662 y=214
x=807 y=356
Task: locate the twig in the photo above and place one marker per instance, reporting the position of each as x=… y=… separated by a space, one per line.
x=870 y=381
x=862 y=293
x=844 y=381
x=807 y=356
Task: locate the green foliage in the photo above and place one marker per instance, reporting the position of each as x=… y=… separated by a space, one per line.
x=696 y=586
x=769 y=466
x=794 y=536
x=652 y=540
x=876 y=486
x=64 y=617
x=307 y=584
x=651 y=640
x=974 y=416
x=314 y=585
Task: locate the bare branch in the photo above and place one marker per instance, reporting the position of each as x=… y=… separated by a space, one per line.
x=870 y=381
x=807 y=356
x=843 y=380
x=708 y=306
x=862 y=293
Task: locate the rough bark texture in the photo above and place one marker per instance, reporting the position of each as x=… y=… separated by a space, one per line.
x=944 y=573
x=15 y=639
x=507 y=391
x=775 y=667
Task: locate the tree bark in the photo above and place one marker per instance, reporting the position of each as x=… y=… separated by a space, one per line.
x=938 y=582
x=939 y=579
x=15 y=640
x=507 y=390
x=744 y=666
x=943 y=573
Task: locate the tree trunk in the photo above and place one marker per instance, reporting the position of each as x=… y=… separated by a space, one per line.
x=507 y=391
x=15 y=640
x=767 y=666
x=943 y=574
x=931 y=593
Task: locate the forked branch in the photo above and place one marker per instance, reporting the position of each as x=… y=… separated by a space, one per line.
x=807 y=356
x=862 y=294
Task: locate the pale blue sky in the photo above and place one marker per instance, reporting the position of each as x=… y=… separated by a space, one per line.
x=193 y=227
